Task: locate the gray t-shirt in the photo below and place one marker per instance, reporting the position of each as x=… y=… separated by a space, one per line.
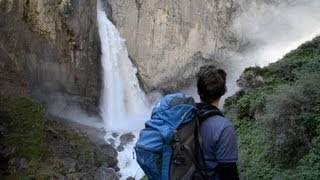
x=219 y=143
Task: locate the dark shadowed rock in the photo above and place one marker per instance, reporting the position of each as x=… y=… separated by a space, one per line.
x=8 y=151
x=2 y=147
x=107 y=154
x=3 y=131
x=66 y=165
x=120 y=148
x=250 y=79
x=111 y=141
x=115 y=135
x=58 y=176
x=117 y=169
x=104 y=173
x=126 y=138
x=74 y=176
x=18 y=162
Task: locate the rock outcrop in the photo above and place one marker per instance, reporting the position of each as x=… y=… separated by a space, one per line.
x=169 y=40
x=54 y=47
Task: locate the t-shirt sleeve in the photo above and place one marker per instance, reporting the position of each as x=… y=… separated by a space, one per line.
x=227 y=148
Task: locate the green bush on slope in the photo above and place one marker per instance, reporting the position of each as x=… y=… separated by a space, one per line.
x=278 y=123
x=27 y=128
x=44 y=144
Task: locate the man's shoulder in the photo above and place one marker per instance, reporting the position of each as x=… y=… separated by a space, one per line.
x=218 y=121
x=215 y=125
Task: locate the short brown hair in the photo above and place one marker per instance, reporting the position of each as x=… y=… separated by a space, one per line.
x=211 y=83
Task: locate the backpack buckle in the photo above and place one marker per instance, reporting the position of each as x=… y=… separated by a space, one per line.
x=176 y=137
x=180 y=160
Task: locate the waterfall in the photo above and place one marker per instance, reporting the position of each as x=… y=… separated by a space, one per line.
x=123 y=104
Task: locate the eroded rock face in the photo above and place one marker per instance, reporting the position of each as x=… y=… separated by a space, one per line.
x=169 y=40
x=54 y=46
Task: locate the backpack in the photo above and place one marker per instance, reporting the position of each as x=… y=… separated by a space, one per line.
x=166 y=148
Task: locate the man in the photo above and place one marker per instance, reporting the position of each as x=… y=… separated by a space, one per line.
x=219 y=141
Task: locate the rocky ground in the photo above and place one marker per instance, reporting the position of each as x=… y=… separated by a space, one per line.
x=34 y=144
x=68 y=154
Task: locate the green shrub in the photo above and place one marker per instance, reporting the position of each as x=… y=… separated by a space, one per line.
x=278 y=123
x=309 y=169
x=26 y=128
x=82 y=146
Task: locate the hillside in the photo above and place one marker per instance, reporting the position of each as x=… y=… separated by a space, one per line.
x=277 y=116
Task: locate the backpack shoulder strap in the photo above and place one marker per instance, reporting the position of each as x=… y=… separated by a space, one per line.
x=207 y=110
x=204 y=111
x=211 y=112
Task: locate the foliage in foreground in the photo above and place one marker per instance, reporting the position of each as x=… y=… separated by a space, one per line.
x=27 y=128
x=28 y=131
x=278 y=122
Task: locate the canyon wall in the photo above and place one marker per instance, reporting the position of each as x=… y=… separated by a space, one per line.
x=170 y=40
x=53 y=46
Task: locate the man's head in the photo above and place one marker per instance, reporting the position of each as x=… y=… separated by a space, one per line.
x=211 y=83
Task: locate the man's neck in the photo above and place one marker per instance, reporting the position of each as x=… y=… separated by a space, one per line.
x=215 y=103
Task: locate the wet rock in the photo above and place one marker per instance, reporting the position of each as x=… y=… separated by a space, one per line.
x=18 y=163
x=117 y=169
x=126 y=138
x=104 y=173
x=8 y=151
x=106 y=154
x=120 y=148
x=115 y=135
x=111 y=141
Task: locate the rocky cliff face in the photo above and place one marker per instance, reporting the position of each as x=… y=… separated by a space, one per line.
x=169 y=40
x=54 y=46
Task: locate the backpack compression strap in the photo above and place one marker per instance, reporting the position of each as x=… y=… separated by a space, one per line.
x=204 y=111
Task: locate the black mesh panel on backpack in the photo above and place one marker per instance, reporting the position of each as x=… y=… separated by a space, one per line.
x=184 y=144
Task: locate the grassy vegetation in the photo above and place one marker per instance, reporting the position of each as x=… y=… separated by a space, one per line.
x=84 y=149
x=26 y=128
x=26 y=131
x=278 y=123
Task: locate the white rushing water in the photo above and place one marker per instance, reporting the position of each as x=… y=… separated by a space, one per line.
x=123 y=104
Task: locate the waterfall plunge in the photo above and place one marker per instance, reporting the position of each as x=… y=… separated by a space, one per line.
x=123 y=105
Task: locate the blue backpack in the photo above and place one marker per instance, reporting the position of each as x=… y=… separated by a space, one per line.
x=167 y=147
